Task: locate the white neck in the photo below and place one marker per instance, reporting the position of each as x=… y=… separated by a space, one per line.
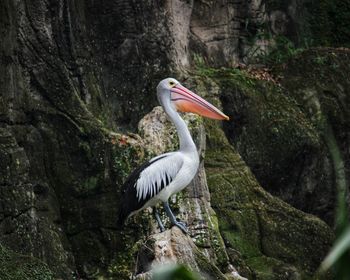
x=186 y=141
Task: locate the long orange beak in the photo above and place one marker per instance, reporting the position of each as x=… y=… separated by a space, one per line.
x=187 y=101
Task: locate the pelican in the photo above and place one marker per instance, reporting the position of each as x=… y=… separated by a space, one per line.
x=164 y=175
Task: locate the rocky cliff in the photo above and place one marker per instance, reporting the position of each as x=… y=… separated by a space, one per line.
x=78 y=77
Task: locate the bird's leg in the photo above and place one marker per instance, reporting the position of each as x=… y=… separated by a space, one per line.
x=172 y=218
x=160 y=224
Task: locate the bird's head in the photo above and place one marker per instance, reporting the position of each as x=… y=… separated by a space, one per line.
x=171 y=92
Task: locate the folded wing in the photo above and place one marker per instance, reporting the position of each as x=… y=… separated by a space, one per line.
x=147 y=181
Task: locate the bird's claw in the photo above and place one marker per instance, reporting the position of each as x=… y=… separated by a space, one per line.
x=182 y=226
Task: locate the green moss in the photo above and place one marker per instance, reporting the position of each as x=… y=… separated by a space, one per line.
x=267 y=232
x=217 y=243
x=266 y=123
x=125 y=158
x=320 y=76
x=241 y=235
x=247 y=220
x=235 y=75
x=90 y=183
x=207 y=268
x=327 y=99
x=19 y=267
x=271 y=269
x=123 y=264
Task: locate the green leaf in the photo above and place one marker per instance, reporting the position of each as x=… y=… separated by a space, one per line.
x=173 y=272
x=340 y=247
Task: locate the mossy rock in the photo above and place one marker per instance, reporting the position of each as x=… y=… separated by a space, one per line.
x=256 y=223
x=317 y=79
x=275 y=135
x=172 y=246
x=20 y=267
x=271 y=237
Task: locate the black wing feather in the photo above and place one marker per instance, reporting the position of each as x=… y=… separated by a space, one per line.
x=129 y=201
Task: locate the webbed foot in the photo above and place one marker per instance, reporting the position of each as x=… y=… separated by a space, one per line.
x=182 y=226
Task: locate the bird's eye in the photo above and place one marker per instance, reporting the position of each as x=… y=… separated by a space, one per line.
x=171 y=83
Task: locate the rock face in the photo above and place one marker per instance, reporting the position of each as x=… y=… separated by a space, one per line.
x=28 y=210
x=15 y=266
x=172 y=246
x=325 y=101
x=75 y=79
x=291 y=135
x=270 y=236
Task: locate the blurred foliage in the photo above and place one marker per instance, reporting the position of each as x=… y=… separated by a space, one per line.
x=173 y=272
x=280 y=52
x=339 y=256
x=323 y=23
x=320 y=22
x=328 y=22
